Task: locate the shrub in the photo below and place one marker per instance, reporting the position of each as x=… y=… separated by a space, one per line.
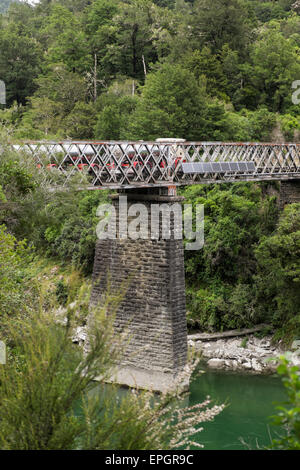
x=288 y=416
x=48 y=377
x=221 y=289
x=62 y=292
x=16 y=291
x=278 y=277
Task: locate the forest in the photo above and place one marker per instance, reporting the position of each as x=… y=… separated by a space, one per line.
x=141 y=69
x=202 y=70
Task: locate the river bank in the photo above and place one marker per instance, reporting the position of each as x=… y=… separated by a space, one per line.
x=247 y=353
x=242 y=353
x=234 y=350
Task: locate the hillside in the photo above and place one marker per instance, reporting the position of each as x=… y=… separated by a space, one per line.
x=142 y=69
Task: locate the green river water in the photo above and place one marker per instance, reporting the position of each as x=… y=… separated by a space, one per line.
x=251 y=400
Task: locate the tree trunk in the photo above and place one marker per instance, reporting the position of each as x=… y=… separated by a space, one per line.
x=134 y=57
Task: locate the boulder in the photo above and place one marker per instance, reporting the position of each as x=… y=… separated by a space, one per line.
x=216 y=363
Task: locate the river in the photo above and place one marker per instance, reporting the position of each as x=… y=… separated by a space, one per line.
x=251 y=400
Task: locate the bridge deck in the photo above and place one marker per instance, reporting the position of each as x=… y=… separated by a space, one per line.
x=123 y=165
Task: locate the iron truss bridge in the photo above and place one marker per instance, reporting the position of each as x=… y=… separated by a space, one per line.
x=165 y=162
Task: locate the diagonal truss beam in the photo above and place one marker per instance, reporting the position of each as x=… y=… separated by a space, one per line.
x=124 y=165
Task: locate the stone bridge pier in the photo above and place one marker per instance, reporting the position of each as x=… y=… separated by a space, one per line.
x=289 y=192
x=153 y=309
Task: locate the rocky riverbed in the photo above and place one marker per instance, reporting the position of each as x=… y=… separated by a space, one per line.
x=238 y=351
x=247 y=353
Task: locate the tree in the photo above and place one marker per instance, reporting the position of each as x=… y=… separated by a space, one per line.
x=71 y=50
x=66 y=40
x=221 y=22
x=116 y=112
x=133 y=37
x=98 y=14
x=261 y=123
x=221 y=291
x=20 y=63
x=15 y=288
x=172 y=104
x=62 y=86
x=288 y=416
x=44 y=116
x=275 y=64
x=278 y=277
x=58 y=92
x=121 y=34
x=79 y=124
x=208 y=66
x=100 y=29
x=231 y=68
x=267 y=10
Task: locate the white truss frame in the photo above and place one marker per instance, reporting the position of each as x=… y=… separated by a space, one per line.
x=121 y=165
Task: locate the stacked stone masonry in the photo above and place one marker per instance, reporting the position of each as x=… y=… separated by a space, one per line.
x=153 y=308
x=289 y=192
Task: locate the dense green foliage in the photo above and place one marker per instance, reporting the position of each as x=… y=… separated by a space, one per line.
x=61 y=224
x=15 y=286
x=115 y=69
x=139 y=69
x=248 y=269
x=288 y=413
x=278 y=274
x=220 y=289
x=69 y=229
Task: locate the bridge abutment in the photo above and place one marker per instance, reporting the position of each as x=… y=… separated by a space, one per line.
x=153 y=308
x=289 y=192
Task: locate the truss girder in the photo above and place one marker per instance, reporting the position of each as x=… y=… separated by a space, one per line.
x=141 y=164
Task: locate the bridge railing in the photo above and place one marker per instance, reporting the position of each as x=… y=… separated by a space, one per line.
x=135 y=164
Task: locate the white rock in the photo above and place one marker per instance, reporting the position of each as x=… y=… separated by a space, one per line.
x=295 y=344
x=295 y=358
x=216 y=363
x=228 y=353
x=256 y=365
x=80 y=335
x=247 y=365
